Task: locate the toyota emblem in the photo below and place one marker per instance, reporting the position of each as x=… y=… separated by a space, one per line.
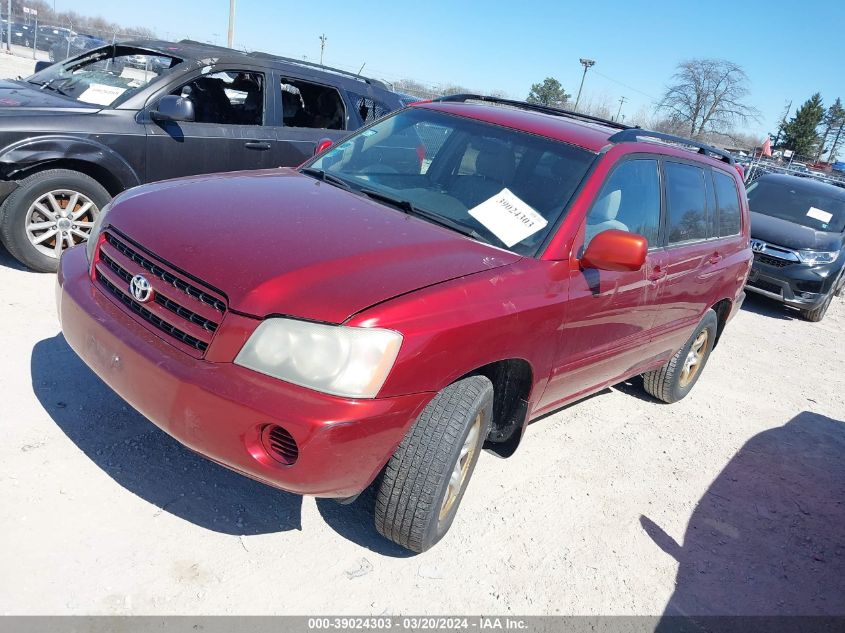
x=141 y=289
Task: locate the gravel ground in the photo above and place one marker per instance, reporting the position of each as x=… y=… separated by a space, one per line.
x=730 y=501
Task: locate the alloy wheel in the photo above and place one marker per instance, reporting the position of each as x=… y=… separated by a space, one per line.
x=60 y=219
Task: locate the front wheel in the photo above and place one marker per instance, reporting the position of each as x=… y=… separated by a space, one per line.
x=676 y=378
x=48 y=212
x=426 y=477
x=817 y=314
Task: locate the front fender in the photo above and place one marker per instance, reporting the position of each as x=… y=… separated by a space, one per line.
x=24 y=154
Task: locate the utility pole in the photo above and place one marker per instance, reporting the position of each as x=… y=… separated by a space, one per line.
x=9 y=26
x=231 y=39
x=619 y=111
x=587 y=64
x=323 y=40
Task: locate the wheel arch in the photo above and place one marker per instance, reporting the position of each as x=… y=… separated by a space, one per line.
x=513 y=380
x=87 y=156
x=722 y=308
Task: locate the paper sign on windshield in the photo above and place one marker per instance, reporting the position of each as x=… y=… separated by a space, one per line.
x=508 y=218
x=101 y=94
x=818 y=214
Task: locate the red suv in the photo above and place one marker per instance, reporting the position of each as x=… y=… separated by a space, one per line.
x=415 y=293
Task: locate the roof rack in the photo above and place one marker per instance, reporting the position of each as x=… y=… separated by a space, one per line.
x=634 y=134
x=535 y=107
x=289 y=60
x=302 y=62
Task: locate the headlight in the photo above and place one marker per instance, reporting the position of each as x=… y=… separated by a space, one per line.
x=91 y=244
x=344 y=361
x=817 y=257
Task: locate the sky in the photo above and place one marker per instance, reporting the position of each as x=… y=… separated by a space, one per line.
x=789 y=50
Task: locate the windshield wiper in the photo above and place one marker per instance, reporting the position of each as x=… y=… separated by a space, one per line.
x=49 y=86
x=319 y=174
x=411 y=209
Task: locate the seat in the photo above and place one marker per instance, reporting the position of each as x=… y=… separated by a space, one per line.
x=210 y=101
x=495 y=164
x=602 y=216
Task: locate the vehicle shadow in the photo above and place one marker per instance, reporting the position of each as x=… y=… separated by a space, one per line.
x=768 y=536
x=758 y=304
x=354 y=522
x=8 y=261
x=144 y=459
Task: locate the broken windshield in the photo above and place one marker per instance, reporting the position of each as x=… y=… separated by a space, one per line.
x=104 y=76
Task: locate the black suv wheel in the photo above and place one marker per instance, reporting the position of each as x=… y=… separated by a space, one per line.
x=48 y=212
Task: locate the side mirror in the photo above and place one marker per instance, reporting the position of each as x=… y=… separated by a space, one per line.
x=615 y=250
x=41 y=65
x=322 y=145
x=173 y=108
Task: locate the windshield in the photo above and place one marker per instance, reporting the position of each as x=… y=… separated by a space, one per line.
x=105 y=76
x=497 y=184
x=794 y=203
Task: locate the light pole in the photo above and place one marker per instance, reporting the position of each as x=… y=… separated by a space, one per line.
x=323 y=40
x=586 y=63
x=231 y=38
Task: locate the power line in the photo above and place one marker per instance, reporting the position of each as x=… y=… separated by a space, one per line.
x=645 y=94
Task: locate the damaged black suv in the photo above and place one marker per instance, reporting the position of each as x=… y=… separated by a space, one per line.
x=798 y=240
x=76 y=133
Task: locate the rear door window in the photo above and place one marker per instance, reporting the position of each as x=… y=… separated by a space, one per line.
x=686 y=203
x=312 y=106
x=727 y=199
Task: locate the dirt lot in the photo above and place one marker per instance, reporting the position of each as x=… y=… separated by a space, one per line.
x=728 y=502
x=736 y=494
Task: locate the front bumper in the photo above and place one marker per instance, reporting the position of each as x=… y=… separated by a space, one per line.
x=219 y=409
x=796 y=285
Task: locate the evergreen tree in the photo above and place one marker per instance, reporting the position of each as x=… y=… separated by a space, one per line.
x=800 y=133
x=834 y=120
x=548 y=93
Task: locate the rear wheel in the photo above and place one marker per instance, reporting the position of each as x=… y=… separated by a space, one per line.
x=817 y=314
x=49 y=212
x=426 y=477
x=676 y=378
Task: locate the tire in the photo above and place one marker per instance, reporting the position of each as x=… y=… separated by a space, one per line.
x=817 y=314
x=676 y=379
x=412 y=506
x=20 y=213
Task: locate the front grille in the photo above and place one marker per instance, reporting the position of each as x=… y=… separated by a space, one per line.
x=181 y=308
x=164 y=275
x=777 y=262
x=762 y=284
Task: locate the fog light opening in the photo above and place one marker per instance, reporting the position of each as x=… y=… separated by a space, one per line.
x=279 y=444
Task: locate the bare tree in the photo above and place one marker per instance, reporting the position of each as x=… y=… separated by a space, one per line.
x=707 y=95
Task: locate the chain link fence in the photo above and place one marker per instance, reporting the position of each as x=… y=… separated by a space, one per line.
x=27 y=36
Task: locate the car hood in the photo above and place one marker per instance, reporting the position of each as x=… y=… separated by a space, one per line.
x=792 y=235
x=278 y=242
x=17 y=99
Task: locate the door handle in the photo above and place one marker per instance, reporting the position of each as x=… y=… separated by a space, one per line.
x=260 y=145
x=715 y=258
x=657 y=273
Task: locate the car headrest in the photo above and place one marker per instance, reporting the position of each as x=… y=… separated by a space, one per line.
x=606 y=207
x=495 y=162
